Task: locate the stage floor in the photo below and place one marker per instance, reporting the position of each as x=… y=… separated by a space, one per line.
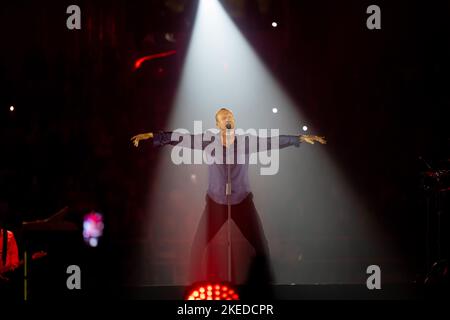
x=299 y=292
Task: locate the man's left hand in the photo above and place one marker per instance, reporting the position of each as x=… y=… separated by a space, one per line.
x=311 y=139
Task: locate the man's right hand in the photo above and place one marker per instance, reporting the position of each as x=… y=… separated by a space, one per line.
x=142 y=136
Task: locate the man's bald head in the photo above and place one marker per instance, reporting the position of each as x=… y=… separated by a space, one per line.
x=224 y=116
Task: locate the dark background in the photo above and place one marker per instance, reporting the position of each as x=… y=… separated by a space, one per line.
x=78 y=101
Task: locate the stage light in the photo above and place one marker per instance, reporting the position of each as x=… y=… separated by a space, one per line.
x=93 y=242
x=305 y=128
x=92 y=228
x=140 y=61
x=221 y=292
x=274 y=110
x=274 y=24
x=11 y=108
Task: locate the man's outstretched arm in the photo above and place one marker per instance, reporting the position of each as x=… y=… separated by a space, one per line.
x=172 y=138
x=284 y=141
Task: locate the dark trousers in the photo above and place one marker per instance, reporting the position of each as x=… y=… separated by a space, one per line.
x=247 y=220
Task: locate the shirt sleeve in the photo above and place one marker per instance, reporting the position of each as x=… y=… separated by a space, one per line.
x=265 y=144
x=189 y=141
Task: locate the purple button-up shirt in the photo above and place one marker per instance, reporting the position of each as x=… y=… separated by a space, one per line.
x=236 y=156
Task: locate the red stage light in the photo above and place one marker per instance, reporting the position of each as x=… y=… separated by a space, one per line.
x=138 y=62
x=211 y=291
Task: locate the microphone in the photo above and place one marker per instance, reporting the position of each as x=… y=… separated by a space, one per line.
x=228 y=126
